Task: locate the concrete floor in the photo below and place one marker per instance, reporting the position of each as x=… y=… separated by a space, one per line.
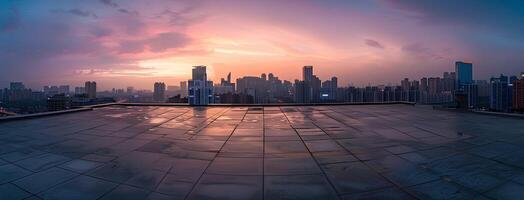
x=318 y=152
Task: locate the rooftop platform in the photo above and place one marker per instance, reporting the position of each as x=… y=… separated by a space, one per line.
x=289 y=152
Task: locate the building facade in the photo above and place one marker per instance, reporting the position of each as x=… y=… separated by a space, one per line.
x=518 y=94
x=200 y=90
x=90 y=89
x=159 y=92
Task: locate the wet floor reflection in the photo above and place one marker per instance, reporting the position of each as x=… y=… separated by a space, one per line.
x=322 y=152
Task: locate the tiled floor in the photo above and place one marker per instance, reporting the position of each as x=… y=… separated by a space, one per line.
x=322 y=152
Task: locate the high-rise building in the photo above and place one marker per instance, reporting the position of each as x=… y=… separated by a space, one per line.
x=16 y=86
x=309 y=90
x=199 y=88
x=17 y=92
x=500 y=94
x=183 y=89
x=80 y=90
x=328 y=92
x=472 y=95
x=225 y=86
x=257 y=87
x=159 y=92
x=406 y=86
x=434 y=86
x=54 y=90
x=316 y=84
x=448 y=81
x=301 y=92
x=90 y=89
x=307 y=73
x=518 y=94
x=63 y=89
x=464 y=74
x=58 y=102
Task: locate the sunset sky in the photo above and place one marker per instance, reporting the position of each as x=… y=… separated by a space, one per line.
x=121 y=43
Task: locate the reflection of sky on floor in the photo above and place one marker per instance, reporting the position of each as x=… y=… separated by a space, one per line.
x=338 y=152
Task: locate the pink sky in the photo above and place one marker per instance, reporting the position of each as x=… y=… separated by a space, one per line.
x=135 y=43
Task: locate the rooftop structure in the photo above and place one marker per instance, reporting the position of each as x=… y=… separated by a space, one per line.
x=289 y=152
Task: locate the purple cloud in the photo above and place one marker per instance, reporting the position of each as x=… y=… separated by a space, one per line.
x=374 y=43
x=77 y=12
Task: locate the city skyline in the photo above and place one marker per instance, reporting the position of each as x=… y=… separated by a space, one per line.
x=116 y=42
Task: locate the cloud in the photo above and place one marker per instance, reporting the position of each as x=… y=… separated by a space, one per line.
x=182 y=17
x=374 y=43
x=168 y=40
x=100 y=31
x=109 y=3
x=77 y=12
x=420 y=51
x=112 y=4
x=158 y=43
x=10 y=19
x=134 y=12
x=131 y=46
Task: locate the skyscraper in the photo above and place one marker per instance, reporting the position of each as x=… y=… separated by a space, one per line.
x=518 y=94
x=328 y=92
x=464 y=74
x=225 y=86
x=307 y=73
x=301 y=92
x=183 y=89
x=90 y=89
x=16 y=86
x=199 y=88
x=159 y=93
x=308 y=90
x=257 y=87
x=500 y=97
x=472 y=95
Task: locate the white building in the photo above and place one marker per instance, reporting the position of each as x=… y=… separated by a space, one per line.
x=200 y=90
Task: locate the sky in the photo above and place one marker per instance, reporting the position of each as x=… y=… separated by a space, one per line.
x=121 y=43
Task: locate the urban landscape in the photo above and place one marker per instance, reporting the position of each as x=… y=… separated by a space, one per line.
x=261 y=100
x=456 y=89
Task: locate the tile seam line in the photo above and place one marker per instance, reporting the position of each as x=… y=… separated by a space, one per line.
x=398 y=186
x=313 y=157
x=221 y=147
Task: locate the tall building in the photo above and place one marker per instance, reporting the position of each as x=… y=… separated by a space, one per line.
x=58 y=102
x=500 y=94
x=257 y=87
x=225 y=86
x=463 y=73
x=80 y=90
x=518 y=94
x=63 y=89
x=448 y=81
x=472 y=94
x=90 y=89
x=309 y=90
x=199 y=88
x=159 y=92
x=130 y=90
x=406 y=86
x=54 y=90
x=183 y=89
x=301 y=91
x=307 y=73
x=16 y=86
x=316 y=84
x=328 y=92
